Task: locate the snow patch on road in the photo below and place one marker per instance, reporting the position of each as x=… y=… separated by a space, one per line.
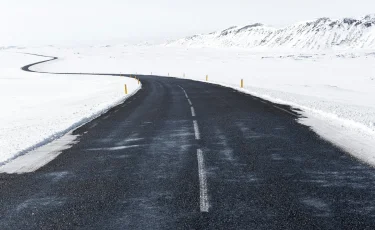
x=39 y=157
x=345 y=134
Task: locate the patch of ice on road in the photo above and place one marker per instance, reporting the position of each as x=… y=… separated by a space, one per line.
x=40 y=203
x=39 y=157
x=320 y=207
x=114 y=148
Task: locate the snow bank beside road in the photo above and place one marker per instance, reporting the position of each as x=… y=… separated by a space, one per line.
x=37 y=108
x=336 y=88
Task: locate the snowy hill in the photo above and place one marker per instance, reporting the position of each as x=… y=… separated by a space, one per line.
x=320 y=34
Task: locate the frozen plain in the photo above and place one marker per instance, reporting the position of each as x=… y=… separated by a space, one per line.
x=38 y=108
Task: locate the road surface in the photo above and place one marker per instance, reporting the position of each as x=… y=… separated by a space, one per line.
x=182 y=154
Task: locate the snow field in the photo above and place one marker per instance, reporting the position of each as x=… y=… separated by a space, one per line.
x=38 y=108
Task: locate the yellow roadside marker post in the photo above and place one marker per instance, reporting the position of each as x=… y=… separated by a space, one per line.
x=241 y=83
x=126 y=89
x=206 y=77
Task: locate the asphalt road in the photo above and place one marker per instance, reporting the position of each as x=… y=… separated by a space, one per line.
x=182 y=154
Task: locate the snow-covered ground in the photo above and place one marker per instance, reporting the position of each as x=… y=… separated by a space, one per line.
x=37 y=108
x=335 y=90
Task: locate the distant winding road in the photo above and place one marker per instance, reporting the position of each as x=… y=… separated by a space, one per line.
x=182 y=154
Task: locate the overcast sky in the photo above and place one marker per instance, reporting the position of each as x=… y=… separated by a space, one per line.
x=40 y=22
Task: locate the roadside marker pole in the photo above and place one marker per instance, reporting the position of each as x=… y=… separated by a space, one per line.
x=126 y=89
x=241 y=83
x=206 y=77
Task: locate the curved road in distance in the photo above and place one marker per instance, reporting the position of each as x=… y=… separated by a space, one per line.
x=182 y=154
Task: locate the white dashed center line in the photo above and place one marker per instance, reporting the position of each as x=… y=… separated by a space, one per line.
x=196 y=130
x=203 y=192
x=192 y=111
x=184 y=92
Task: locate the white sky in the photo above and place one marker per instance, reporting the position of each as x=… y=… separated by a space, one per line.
x=41 y=22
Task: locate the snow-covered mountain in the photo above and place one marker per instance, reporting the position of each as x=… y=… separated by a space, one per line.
x=319 y=34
